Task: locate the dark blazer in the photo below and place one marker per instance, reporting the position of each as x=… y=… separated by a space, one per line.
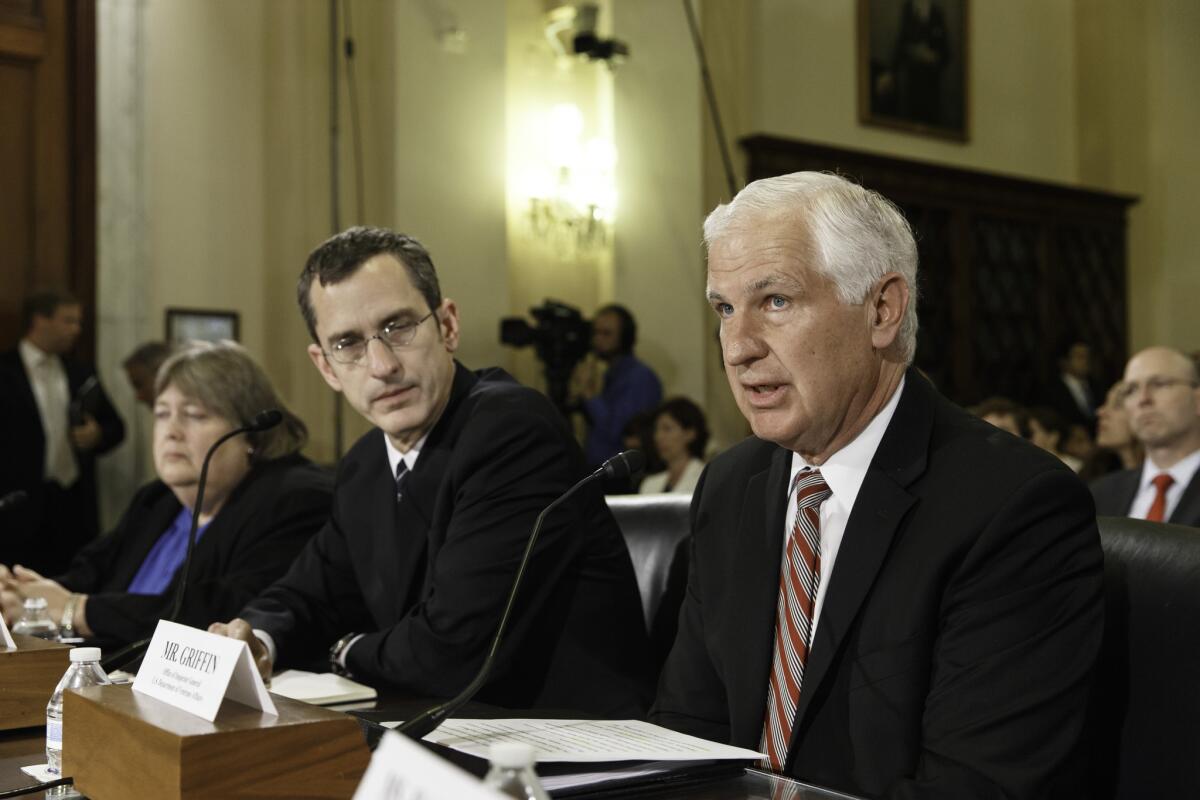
x=426 y=579
x=1115 y=493
x=23 y=465
x=251 y=541
x=960 y=628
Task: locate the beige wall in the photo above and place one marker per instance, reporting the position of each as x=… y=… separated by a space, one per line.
x=232 y=118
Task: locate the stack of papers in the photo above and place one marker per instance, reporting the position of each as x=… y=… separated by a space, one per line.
x=655 y=752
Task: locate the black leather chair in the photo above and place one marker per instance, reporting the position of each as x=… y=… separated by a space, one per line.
x=656 y=529
x=1145 y=714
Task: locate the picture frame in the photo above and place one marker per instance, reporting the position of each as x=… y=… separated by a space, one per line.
x=187 y=324
x=913 y=59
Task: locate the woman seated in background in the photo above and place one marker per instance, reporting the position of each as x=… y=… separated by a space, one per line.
x=262 y=502
x=1048 y=431
x=680 y=436
x=1116 y=449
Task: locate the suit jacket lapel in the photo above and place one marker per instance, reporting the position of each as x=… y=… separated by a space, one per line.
x=762 y=517
x=878 y=511
x=1187 y=512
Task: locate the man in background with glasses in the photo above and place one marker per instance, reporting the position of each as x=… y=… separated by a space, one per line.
x=406 y=583
x=1161 y=394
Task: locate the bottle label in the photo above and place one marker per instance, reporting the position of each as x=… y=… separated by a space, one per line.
x=54 y=734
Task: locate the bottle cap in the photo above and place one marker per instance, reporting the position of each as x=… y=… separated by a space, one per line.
x=35 y=602
x=512 y=755
x=85 y=654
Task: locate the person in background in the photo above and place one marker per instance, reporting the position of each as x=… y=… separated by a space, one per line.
x=1072 y=392
x=55 y=419
x=262 y=502
x=680 y=436
x=1116 y=449
x=1004 y=414
x=1161 y=395
x=141 y=366
x=629 y=385
x=1048 y=430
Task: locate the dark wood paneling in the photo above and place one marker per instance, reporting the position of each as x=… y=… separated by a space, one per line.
x=1011 y=269
x=47 y=156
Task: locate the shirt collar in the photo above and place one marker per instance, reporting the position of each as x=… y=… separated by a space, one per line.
x=410 y=457
x=1182 y=472
x=32 y=355
x=845 y=470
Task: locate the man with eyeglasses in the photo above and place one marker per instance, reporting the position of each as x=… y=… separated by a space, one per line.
x=1161 y=394
x=406 y=583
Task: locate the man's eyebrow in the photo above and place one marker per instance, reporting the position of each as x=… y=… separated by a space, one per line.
x=391 y=316
x=756 y=286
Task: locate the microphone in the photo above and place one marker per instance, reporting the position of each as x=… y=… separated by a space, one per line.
x=619 y=466
x=263 y=420
x=13 y=499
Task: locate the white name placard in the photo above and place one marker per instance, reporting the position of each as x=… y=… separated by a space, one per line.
x=195 y=670
x=5 y=636
x=401 y=769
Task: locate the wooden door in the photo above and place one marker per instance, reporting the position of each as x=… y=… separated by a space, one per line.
x=47 y=157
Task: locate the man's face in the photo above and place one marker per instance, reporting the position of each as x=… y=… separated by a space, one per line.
x=142 y=380
x=1163 y=401
x=401 y=391
x=59 y=331
x=1078 y=361
x=606 y=335
x=801 y=363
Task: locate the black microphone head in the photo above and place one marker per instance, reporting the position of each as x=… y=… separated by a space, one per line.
x=265 y=420
x=624 y=464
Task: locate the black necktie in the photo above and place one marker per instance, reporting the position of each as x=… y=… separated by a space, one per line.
x=401 y=474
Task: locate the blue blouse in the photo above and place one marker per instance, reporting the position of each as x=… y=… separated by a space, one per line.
x=166 y=557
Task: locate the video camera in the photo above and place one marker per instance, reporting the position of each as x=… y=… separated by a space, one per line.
x=561 y=338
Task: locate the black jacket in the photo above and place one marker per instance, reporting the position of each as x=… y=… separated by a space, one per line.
x=426 y=579
x=251 y=541
x=1115 y=493
x=959 y=630
x=23 y=464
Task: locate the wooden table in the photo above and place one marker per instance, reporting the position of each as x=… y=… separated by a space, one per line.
x=26 y=746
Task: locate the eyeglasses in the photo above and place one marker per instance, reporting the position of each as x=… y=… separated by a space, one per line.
x=394 y=334
x=1154 y=385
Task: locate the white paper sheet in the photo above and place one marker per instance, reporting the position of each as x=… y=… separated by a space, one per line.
x=321 y=689
x=575 y=740
x=5 y=637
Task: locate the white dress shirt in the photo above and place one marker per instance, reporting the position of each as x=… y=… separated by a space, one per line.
x=48 y=379
x=1182 y=472
x=843 y=472
x=657 y=483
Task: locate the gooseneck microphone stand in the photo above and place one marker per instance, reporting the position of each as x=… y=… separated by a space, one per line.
x=263 y=420
x=619 y=466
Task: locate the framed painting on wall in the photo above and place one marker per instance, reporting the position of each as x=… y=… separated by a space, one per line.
x=912 y=66
x=186 y=324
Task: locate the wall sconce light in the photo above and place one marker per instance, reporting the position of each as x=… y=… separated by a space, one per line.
x=572 y=194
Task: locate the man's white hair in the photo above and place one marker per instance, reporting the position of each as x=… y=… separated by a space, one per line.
x=858 y=234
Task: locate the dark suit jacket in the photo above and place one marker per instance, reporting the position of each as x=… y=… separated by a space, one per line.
x=251 y=541
x=1059 y=397
x=960 y=628
x=23 y=464
x=1115 y=493
x=426 y=579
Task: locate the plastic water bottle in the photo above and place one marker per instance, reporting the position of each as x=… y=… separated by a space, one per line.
x=512 y=772
x=36 y=620
x=84 y=671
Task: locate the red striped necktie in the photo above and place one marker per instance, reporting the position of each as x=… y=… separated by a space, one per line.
x=799 y=578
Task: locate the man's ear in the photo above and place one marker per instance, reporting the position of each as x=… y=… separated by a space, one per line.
x=324 y=367
x=448 y=324
x=888 y=302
